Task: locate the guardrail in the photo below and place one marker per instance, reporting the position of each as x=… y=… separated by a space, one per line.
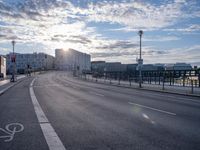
x=190 y=86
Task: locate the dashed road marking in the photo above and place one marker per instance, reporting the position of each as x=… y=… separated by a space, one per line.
x=98 y=94
x=155 y=109
x=50 y=135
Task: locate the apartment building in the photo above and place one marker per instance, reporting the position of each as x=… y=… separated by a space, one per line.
x=2 y=67
x=72 y=60
x=34 y=62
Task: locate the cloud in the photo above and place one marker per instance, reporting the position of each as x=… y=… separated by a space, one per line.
x=191 y=28
x=40 y=21
x=118 y=45
x=57 y=23
x=139 y=15
x=124 y=53
x=189 y=54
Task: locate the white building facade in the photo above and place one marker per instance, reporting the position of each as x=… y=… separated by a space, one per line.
x=2 y=67
x=34 y=61
x=72 y=60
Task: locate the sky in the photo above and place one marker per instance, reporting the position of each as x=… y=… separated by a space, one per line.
x=106 y=29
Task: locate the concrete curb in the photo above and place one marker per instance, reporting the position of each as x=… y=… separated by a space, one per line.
x=137 y=88
x=7 y=88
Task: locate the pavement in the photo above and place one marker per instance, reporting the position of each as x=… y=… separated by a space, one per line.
x=88 y=116
x=6 y=84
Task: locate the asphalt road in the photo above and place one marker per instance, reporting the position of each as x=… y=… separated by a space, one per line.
x=90 y=116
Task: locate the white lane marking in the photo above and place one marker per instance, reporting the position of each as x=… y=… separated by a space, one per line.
x=51 y=137
x=49 y=133
x=10 y=130
x=75 y=88
x=98 y=94
x=47 y=85
x=159 y=110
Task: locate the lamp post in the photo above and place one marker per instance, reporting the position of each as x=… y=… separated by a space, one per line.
x=13 y=61
x=140 y=60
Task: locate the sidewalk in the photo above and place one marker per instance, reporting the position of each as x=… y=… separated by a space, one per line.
x=6 y=84
x=187 y=90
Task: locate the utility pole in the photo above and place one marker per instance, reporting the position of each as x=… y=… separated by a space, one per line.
x=13 y=59
x=140 y=60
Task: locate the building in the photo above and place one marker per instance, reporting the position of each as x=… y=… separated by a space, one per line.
x=72 y=60
x=98 y=66
x=178 y=66
x=115 y=67
x=2 y=67
x=131 y=67
x=34 y=62
x=102 y=66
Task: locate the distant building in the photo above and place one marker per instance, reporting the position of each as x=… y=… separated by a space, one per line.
x=2 y=67
x=98 y=66
x=178 y=66
x=149 y=67
x=102 y=66
x=132 y=67
x=34 y=62
x=160 y=67
x=72 y=60
x=115 y=67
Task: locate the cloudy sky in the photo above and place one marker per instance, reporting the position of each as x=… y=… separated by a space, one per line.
x=107 y=29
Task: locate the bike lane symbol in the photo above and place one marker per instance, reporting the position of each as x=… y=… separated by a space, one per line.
x=10 y=130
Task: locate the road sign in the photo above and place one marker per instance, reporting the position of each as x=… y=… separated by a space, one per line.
x=140 y=61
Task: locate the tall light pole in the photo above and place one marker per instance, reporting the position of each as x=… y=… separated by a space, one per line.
x=13 y=58
x=140 y=60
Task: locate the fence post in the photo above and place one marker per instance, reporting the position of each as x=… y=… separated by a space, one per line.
x=119 y=78
x=192 y=87
x=199 y=78
x=159 y=78
x=184 y=78
x=163 y=86
x=150 y=78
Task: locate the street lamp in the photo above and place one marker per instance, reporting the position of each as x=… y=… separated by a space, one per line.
x=13 y=61
x=140 y=60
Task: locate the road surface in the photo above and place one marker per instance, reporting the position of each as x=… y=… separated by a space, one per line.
x=82 y=115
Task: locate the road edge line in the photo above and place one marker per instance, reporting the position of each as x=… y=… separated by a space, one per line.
x=51 y=137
